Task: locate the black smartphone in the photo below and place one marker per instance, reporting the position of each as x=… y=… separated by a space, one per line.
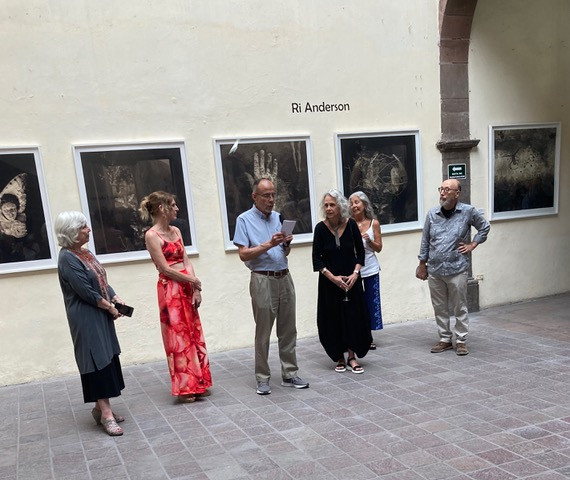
x=124 y=309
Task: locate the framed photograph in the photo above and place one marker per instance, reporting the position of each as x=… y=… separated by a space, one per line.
x=386 y=167
x=286 y=160
x=26 y=234
x=113 y=179
x=525 y=162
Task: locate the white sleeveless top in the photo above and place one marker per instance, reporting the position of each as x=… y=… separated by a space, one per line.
x=371 y=265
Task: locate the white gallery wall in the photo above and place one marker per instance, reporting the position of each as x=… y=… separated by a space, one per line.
x=519 y=63
x=75 y=73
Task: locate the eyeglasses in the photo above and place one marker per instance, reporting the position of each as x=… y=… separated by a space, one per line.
x=266 y=195
x=446 y=189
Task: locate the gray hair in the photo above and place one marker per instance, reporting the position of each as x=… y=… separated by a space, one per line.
x=368 y=210
x=67 y=226
x=340 y=200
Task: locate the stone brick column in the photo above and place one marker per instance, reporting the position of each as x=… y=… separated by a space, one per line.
x=456 y=17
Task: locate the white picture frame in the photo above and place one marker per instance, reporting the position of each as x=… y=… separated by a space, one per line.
x=27 y=240
x=387 y=167
x=524 y=170
x=114 y=178
x=287 y=160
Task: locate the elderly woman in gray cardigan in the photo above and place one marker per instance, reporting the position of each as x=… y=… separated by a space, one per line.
x=91 y=313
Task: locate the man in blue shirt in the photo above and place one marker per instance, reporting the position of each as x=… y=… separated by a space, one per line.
x=263 y=247
x=444 y=255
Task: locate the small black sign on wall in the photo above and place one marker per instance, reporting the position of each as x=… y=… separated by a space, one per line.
x=457 y=170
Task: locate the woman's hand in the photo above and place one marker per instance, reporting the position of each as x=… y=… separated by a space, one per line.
x=114 y=313
x=339 y=281
x=196 y=283
x=365 y=237
x=197 y=298
x=350 y=280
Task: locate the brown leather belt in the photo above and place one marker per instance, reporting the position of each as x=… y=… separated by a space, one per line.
x=268 y=273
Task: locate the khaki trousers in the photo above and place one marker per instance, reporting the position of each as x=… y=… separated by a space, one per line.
x=273 y=298
x=449 y=296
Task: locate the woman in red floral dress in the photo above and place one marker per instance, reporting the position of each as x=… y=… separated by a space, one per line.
x=179 y=296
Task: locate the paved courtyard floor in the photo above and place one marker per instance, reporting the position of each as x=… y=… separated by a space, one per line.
x=502 y=412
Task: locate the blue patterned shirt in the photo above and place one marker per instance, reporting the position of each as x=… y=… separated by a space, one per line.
x=441 y=238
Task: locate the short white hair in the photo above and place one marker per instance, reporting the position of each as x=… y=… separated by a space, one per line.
x=67 y=226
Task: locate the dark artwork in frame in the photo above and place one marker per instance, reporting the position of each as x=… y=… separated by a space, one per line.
x=384 y=167
x=23 y=230
x=116 y=181
x=524 y=170
x=284 y=162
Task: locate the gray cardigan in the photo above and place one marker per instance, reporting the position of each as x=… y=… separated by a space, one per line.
x=92 y=328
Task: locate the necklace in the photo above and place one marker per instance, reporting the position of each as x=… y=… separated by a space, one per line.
x=335 y=230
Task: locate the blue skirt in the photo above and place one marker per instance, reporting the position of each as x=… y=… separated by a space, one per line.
x=372 y=295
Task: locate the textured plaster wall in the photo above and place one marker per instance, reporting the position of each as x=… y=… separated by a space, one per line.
x=106 y=71
x=518 y=73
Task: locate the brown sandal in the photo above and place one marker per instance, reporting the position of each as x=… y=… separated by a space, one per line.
x=187 y=398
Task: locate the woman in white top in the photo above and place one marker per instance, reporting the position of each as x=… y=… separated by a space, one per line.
x=369 y=226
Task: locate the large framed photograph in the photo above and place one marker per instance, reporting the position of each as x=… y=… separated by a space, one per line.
x=285 y=160
x=525 y=162
x=26 y=234
x=113 y=179
x=386 y=167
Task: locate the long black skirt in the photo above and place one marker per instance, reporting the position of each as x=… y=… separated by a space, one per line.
x=105 y=383
x=342 y=325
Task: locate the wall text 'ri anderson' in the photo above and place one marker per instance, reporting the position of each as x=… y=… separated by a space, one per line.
x=319 y=107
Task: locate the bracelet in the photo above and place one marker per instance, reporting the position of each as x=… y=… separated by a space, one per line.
x=356 y=271
x=324 y=270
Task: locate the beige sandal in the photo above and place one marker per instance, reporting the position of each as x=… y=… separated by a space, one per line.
x=112 y=427
x=97 y=416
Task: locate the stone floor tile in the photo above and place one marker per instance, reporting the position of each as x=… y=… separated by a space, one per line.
x=446 y=452
x=501 y=412
x=468 y=463
x=523 y=468
x=552 y=460
x=436 y=471
x=385 y=466
x=404 y=475
x=554 y=442
x=105 y=473
x=275 y=474
x=548 y=476
x=499 y=456
x=492 y=473
x=414 y=459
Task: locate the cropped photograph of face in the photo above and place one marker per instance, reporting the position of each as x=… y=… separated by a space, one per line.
x=9 y=208
x=24 y=238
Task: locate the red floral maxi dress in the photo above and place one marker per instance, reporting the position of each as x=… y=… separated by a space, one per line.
x=182 y=332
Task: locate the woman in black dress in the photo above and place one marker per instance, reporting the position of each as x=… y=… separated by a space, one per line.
x=338 y=254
